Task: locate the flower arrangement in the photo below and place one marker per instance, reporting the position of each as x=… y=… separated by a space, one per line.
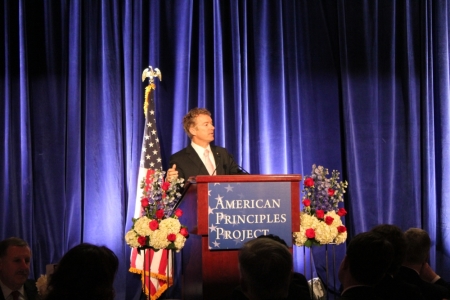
x=320 y=219
x=41 y=285
x=158 y=227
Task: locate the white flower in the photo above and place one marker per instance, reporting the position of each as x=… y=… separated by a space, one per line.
x=308 y=221
x=325 y=234
x=158 y=239
x=141 y=226
x=336 y=218
x=300 y=237
x=170 y=225
x=41 y=285
x=341 y=237
x=179 y=242
x=131 y=239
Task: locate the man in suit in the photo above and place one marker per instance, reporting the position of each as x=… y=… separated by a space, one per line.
x=417 y=271
x=391 y=287
x=15 y=257
x=367 y=260
x=200 y=157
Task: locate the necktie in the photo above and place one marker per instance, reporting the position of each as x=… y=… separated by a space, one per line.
x=15 y=295
x=208 y=163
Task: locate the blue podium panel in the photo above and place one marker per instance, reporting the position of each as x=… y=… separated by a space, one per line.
x=239 y=212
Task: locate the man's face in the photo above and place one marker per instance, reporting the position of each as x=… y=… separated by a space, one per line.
x=203 y=131
x=15 y=267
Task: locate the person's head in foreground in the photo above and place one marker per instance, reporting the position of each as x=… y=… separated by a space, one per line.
x=396 y=237
x=85 y=272
x=368 y=258
x=265 y=267
x=418 y=244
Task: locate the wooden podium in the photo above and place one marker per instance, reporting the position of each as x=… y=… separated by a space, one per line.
x=213 y=274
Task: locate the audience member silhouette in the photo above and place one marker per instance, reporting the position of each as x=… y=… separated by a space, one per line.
x=417 y=271
x=391 y=287
x=265 y=266
x=85 y=272
x=15 y=258
x=369 y=256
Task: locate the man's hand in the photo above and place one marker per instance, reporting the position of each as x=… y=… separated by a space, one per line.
x=172 y=173
x=427 y=273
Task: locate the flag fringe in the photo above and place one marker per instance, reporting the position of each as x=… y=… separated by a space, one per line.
x=162 y=288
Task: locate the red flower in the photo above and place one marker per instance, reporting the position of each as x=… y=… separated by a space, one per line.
x=178 y=212
x=319 y=214
x=331 y=192
x=153 y=224
x=184 y=232
x=160 y=213
x=341 y=229
x=142 y=240
x=171 y=237
x=310 y=234
x=306 y=202
x=309 y=182
x=341 y=212
x=144 y=202
x=329 y=220
x=165 y=186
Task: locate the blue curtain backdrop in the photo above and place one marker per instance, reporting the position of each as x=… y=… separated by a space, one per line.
x=358 y=86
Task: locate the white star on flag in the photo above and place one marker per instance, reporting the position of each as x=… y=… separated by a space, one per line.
x=229 y=188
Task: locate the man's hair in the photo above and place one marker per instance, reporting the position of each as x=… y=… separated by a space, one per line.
x=397 y=238
x=10 y=242
x=189 y=118
x=85 y=272
x=369 y=256
x=266 y=267
x=418 y=244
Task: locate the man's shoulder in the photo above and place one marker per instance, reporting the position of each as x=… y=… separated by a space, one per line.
x=218 y=149
x=360 y=292
x=183 y=151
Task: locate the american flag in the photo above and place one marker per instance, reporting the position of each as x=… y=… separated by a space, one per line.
x=155 y=267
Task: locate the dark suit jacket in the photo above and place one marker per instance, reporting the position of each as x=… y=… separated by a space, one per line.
x=395 y=289
x=429 y=291
x=30 y=290
x=298 y=289
x=360 y=293
x=443 y=283
x=190 y=164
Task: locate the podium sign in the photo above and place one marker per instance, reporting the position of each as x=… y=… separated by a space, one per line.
x=239 y=212
x=216 y=202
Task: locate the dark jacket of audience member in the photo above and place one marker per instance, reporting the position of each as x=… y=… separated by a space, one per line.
x=85 y=272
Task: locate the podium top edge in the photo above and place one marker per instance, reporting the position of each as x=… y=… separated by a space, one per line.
x=244 y=178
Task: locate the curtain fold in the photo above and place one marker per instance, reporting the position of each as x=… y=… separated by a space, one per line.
x=357 y=86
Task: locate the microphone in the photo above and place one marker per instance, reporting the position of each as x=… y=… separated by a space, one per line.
x=242 y=169
x=237 y=165
x=218 y=156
